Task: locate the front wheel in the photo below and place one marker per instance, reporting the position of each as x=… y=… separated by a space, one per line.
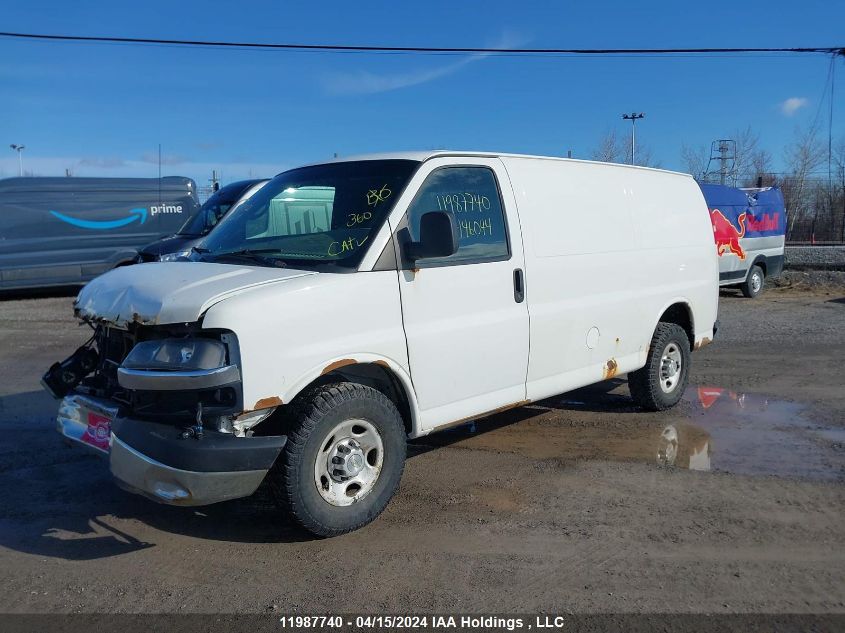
x=660 y=384
x=343 y=459
x=753 y=286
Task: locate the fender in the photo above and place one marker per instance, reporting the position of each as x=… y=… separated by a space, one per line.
x=347 y=360
x=674 y=301
x=757 y=260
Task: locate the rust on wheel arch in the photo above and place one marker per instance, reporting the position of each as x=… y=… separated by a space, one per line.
x=266 y=403
x=704 y=341
x=343 y=362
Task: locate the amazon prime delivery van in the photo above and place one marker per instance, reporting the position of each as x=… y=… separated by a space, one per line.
x=198 y=225
x=60 y=231
x=351 y=305
x=749 y=227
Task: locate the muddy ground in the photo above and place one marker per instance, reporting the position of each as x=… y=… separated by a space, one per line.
x=732 y=502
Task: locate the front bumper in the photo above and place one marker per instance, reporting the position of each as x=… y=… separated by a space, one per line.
x=135 y=472
x=158 y=462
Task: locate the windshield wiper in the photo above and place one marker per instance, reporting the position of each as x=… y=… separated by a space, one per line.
x=251 y=255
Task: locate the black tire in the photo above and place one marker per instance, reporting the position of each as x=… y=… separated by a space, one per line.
x=645 y=384
x=315 y=413
x=753 y=284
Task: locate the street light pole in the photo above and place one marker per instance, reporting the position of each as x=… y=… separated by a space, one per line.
x=19 y=149
x=633 y=118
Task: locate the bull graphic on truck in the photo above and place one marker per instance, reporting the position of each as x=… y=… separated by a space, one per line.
x=726 y=235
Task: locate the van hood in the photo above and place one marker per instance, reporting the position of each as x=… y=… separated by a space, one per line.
x=169 y=292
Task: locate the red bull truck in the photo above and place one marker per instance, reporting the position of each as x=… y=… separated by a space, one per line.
x=749 y=228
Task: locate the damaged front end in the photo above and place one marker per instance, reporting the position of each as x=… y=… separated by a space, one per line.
x=165 y=403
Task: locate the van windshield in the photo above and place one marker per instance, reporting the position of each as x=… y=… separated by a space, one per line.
x=324 y=215
x=211 y=212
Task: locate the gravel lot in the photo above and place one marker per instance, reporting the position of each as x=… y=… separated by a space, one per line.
x=558 y=506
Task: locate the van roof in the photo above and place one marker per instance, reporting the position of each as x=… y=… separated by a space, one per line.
x=47 y=184
x=424 y=155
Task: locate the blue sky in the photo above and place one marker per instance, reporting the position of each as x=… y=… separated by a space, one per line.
x=102 y=109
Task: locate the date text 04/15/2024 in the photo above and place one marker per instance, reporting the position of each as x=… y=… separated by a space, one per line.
x=465 y=622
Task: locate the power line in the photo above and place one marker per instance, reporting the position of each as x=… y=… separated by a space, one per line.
x=827 y=50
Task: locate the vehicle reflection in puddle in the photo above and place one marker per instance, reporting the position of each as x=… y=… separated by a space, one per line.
x=713 y=429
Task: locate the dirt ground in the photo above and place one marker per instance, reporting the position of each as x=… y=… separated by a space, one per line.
x=732 y=502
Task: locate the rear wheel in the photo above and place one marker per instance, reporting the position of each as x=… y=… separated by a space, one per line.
x=660 y=384
x=343 y=459
x=753 y=285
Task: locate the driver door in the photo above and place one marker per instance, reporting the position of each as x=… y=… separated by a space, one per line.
x=465 y=316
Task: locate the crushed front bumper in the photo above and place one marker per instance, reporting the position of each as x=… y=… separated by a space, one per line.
x=135 y=472
x=158 y=462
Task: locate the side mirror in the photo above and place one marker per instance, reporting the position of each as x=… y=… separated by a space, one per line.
x=438 y=237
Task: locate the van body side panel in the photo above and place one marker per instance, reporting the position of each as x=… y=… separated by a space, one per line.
x=290 y=336
x=676 y=262
x=580 y=255
x=608 y=248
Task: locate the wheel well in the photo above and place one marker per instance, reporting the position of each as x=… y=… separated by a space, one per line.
x=761 y=262
x=679 y=314
x=377 y=376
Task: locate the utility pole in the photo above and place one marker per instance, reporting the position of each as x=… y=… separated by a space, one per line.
x=215 y=184
x=723 y=161
x=19 y=149
x=633 y=118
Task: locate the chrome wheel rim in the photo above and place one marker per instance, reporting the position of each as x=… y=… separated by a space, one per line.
x=756 y=282
x=670 y=368
x=348 y=462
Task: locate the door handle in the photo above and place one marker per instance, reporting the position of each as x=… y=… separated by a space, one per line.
x=518 y=286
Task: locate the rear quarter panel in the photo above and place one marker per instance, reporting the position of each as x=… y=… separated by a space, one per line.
x=677 y=260
x=608 y=249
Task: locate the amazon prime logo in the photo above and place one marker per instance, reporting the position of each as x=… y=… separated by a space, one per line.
x=165 y=208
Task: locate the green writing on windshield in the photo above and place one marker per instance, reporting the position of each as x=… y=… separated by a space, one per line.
x=345 y=246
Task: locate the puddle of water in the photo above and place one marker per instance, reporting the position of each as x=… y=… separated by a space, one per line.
x=714 y=430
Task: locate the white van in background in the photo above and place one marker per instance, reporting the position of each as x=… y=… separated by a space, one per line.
x=350 y=305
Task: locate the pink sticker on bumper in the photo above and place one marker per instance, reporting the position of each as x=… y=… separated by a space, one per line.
x=98 y=431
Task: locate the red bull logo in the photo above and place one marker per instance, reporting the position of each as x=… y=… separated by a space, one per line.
x=726 y=234
x=763 y=225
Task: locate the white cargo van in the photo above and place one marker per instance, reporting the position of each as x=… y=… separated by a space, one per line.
x=351 y=305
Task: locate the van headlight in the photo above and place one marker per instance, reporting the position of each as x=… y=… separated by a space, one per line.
x=177 y=364
x=177 y=354
x=172 y=257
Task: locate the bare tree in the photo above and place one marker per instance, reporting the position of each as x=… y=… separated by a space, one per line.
x=803 y=155
x=645 y=157
x=608 y=149
x=747 y=151
x=613 y=148
x=838 y=159
x=761 y=167
x=837 y=186
x=695 y=159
